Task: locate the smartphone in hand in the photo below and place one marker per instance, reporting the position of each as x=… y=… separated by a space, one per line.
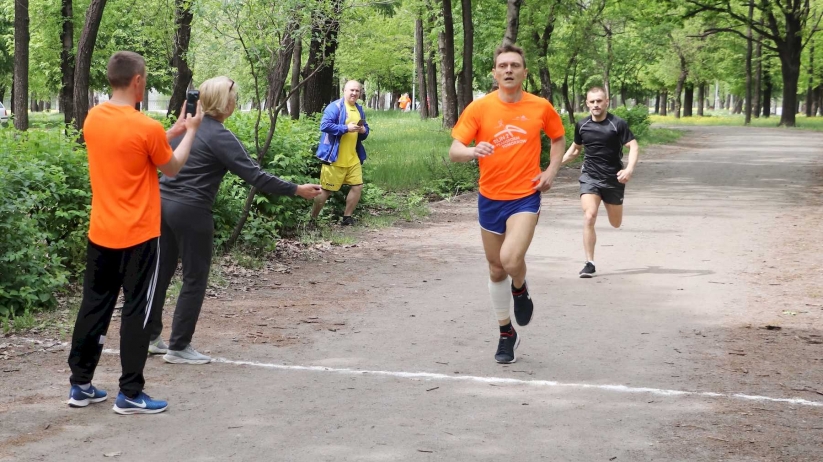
x=192 y=96
x=361 y=122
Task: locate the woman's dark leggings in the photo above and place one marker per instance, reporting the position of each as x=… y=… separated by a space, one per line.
x=187 y=233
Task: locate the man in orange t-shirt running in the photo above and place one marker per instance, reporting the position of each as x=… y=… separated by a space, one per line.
x=125 y=150
x=505 y=126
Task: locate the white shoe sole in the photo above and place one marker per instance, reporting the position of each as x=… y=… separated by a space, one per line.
x=85 y=402
x=171 y=359
x=132 y=410
x=587 y=275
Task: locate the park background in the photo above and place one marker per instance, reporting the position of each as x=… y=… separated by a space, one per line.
x=664 y=64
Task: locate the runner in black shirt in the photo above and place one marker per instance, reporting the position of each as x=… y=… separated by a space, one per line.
x=603 y=176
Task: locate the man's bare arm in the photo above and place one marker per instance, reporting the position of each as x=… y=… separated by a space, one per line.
x=574 y=151
x=625 y=175
x=459 y=152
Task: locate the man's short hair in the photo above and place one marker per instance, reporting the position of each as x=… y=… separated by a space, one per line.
x=597 y=90
x=123 y=66
x=509 y=48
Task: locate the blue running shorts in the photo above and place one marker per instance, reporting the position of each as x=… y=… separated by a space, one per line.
x=494 y=214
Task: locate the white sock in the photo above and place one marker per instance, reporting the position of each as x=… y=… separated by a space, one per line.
x=592 y=262
x=501 y=294
x=85 y=386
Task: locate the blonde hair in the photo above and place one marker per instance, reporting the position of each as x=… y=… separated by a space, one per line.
x=216 y=95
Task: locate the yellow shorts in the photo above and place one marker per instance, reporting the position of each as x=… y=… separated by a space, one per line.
x=333 y=177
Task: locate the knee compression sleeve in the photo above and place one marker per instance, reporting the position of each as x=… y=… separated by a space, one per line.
x=501 y=294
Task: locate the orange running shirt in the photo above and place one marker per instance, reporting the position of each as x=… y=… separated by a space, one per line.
x=124 y=147
x=514 y=130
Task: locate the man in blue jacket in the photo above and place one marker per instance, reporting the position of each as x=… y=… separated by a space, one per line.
x=342 y=131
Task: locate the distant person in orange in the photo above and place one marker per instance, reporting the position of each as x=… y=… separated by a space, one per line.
x=404 y=102
x=125 y=149
x=505 y=126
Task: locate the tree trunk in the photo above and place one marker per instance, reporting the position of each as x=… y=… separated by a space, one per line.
x=319 y=90
x=688 y=100
x=294 y=102
x=446 y=43
x=758 y=78
x=431 y=82
x=512 y=21
x=684 y=72
x=542 y=51
x=623 y=95
x=701 y=98
x=85 y=48
x=748 y=118
x=420 y=70
x=664 y=102
x=467 y=74
x=312 y=100
x=182 y=37
x=657 y=102
x=21 y=65
x=67 y=61
x=565 y=90
x=809 y=86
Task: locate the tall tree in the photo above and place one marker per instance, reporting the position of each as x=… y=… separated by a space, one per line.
x=431 y=83
x=810 y=86
x=758 y=78
x=319 y=89
x=85 y=49
x=21 y=65
x=182 y=17
x=294 y=102
x=512 y=21
x=543 y=40
x=750 y=18
x=67 y=60
x=420 y=68
x=446 y=44
x=467 y=73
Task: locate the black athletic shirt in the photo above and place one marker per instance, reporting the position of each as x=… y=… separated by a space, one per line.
x=603 y=142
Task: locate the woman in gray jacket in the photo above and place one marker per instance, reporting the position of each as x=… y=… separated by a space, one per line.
x=187 y=225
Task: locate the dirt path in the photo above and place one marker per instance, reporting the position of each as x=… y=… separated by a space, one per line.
x=721 y=239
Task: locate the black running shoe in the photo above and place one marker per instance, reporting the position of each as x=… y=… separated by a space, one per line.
x=505 y=349
x=523 y=306
x=587 y=271
x=347 y=221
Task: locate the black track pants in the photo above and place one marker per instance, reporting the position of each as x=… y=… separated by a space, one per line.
x=133 y=269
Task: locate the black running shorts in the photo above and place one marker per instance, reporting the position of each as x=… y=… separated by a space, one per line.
x=611 y=192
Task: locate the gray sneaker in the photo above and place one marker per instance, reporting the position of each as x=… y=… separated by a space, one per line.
x=187 y=356
x=158 y=347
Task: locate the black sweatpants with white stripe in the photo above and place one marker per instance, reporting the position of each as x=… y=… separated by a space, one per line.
x=133 y=269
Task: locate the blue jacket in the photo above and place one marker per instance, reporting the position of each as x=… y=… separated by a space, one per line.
x=333 y=127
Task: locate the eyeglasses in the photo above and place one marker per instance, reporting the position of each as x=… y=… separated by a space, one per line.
x=231 y=86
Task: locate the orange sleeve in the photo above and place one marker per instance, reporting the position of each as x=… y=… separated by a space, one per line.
x=467 y=126
x=159 y=149
x=552 y=123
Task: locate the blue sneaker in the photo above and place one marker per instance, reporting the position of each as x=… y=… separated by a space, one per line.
x=143 y=404
x=82 y=398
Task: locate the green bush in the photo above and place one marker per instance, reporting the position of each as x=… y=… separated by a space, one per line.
x=637 y=117
x=44 y=206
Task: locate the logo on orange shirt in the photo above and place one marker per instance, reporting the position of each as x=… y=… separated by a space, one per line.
x=509 y=136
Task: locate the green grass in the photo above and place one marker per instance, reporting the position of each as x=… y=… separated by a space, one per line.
x=660 y=136
x=725 y=119
x=403 y=149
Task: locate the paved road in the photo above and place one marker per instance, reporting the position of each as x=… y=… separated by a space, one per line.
x=675 y=297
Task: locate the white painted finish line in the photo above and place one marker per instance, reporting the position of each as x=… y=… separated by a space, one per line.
x=508 y=381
